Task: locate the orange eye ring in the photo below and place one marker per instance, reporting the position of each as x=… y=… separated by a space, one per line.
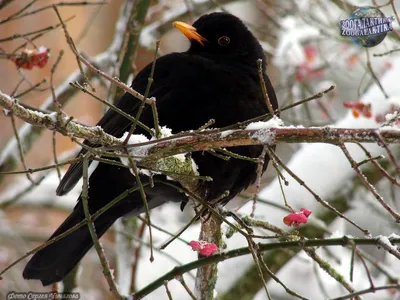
x=224 y=41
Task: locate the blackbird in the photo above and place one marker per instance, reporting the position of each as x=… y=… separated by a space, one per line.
x=216 y=78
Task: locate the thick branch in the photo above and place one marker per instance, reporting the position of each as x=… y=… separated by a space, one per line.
x=206 y=140
x=95 y=135
x=244 y=137
x=343 y=241
x=206 y=278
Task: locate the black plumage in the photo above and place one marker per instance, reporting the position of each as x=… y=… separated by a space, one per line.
x=217 y=78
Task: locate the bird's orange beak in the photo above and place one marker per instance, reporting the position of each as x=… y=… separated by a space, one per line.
x=189 y=31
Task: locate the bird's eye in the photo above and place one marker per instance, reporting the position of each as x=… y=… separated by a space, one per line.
x=224 y=41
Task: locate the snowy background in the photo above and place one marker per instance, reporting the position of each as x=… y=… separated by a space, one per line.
x=306 y=56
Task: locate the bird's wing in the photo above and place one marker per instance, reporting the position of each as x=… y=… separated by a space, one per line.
x=112 y=123
x=171 y=73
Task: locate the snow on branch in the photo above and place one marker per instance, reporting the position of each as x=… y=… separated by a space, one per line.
x=68 y=127
x=259 y=133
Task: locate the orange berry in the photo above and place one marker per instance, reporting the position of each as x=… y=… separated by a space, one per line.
x=356 y=113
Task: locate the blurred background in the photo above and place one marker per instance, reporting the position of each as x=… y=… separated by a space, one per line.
x=306 y=55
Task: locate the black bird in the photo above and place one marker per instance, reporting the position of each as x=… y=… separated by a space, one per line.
x=217 y=78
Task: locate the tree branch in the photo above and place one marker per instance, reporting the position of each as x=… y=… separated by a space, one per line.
x=343 y=241
x=205 y=140
x=105 y=61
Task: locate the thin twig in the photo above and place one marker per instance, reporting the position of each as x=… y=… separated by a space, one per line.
x=167 y=290
x=166 y=254
x=164 y=231
x=369 y=290
x=260 y=167
x=135 y=263
x=88 y=24
x=135 y=171
x=382 y=143
x=277 y=169
x=89 y=218
x=386 y=53
x=380 y=168
x=276 y=278
x=145 y=97
x=131 y=45
x=182 y=230
x=286 y=236
x=16 y=88
x=64 y=92
x=318 y=198
x=31 y=171
x=8 y=202
x=371 y=282
x=31 y=88
x=58 y=108
x=252 y=248
x=183 y=283
x=19 y=12
x=94 y=216
x=54 y=144
x=234 y=155
x=201 y=201
x=18 y=15
x=80 y=59
x=359 y=164
x=263 y=86
x=368 y=185
x=374 y=76
x=71 y=44
x=314 y=97
x=111 y=106
x=352 y=262
x=324 y=265
x=20 y=149
x=43 y=30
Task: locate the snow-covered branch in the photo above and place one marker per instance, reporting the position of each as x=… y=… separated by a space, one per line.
x=257 y=133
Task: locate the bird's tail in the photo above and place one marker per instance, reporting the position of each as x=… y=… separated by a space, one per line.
x=55 y=261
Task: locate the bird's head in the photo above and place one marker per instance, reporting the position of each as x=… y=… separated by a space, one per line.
x=222 y=35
